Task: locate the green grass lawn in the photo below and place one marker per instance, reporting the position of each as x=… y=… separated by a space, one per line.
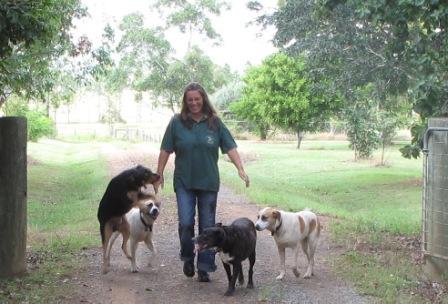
x=371 y=205
x=323 y=176
x=64 y=191
x=65 y=184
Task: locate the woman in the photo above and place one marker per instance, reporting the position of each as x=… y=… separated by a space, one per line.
x=195 y=136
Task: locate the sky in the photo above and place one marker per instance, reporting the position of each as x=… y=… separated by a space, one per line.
x=241 y=44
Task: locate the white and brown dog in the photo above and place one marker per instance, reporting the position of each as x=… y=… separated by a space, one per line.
x=141 y=221
x=291 y=230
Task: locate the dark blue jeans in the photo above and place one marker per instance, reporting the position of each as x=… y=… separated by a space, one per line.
x=186 y=210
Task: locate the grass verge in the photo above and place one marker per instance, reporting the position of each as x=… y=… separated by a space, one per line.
x=373 y=207
x=65 y=182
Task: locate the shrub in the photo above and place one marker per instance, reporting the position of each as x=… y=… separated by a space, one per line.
x=39 y=125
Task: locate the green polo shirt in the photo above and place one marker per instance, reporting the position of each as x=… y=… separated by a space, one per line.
x=196 y=149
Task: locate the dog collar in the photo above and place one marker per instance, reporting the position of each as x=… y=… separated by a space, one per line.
x=147 y=227
x=277 y=228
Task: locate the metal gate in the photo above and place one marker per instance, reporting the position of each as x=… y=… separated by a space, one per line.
x=435 y=199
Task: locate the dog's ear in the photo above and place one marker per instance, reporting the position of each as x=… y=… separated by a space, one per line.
x=131 y=180
x=220 y=235
x=142 y=172
x=218 y=225
x=144 y=208
x=276 y=214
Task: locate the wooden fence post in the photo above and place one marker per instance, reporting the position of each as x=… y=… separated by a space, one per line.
x=13 y=194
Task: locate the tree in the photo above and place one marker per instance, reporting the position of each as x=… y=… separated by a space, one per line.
x=195 y=66
x=110 y=79
x=66 y=75
x=228 y=94
x=362 y=126
x=192 y=15
x=388 y=122
x=223 y=76
x=420 y=41
x=253 y=111
x=32 y=34
x=399 y=47
x=338 y=47
x=38 y=124
x=143 y=51
x=143 y=61
x=279 y=93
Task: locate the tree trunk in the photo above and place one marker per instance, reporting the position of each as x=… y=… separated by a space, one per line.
x=299 y=138
x=47 y=106
x=2 y=100
x=263 y=133
x=13 y=192
x=172 y=101
x=190 y=38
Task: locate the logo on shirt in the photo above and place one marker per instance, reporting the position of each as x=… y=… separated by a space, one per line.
x=210 y=140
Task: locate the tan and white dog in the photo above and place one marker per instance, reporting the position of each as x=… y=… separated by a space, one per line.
x=291 y=230
x=141 y=221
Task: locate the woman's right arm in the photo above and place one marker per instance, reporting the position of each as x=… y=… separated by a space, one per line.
x=163 y=159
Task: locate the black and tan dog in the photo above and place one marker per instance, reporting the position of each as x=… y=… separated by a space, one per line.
x=123 y=192
x=234 y=244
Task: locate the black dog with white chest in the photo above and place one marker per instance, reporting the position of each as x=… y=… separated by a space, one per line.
x=234 y=244
x=122 y=193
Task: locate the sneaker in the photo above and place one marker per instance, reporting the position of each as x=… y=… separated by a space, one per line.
x=203 y=276
x=189 y=268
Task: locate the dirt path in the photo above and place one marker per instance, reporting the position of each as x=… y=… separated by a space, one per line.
x=165 y=282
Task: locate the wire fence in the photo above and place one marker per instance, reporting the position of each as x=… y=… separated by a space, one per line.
x=137 y=132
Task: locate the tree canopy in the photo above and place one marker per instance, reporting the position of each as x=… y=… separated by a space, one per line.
x=143 y=60
x=32 y=33
x=192 y=16
x=397 y=48
x=278 y=93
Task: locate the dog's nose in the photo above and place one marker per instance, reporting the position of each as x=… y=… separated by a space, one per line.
x=257 y=227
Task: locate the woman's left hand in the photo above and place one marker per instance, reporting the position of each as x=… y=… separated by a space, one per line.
x=244 y=177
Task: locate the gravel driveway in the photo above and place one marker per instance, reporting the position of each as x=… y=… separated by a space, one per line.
x=165 y=282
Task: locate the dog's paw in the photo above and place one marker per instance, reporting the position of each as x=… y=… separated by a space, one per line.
x=105 y=269
x=280 y=276
x=229 y=292
x=241 y=281
x=250 y=285
x=151 y=262
x=296 y=272
x=309 y=273
x=134 y=269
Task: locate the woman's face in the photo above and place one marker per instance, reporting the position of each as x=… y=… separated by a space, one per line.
x=194 y=102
